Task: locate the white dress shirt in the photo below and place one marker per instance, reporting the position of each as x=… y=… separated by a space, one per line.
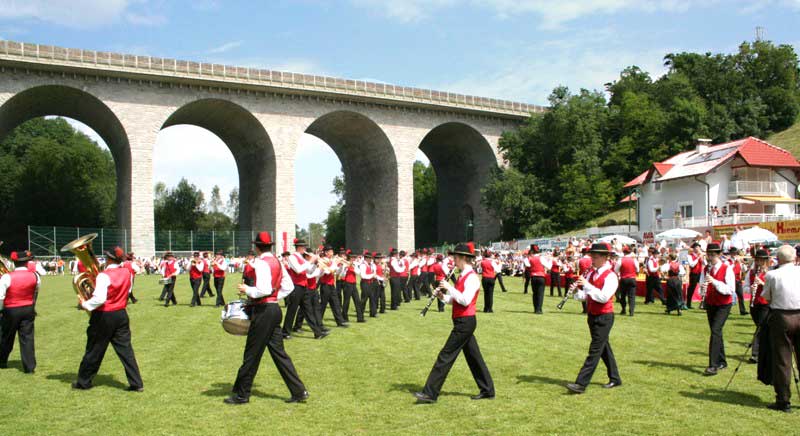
x=362 y=271
x=5 y=282
x=782 y=287
x=295 y=265
x=728 y=287
x=471 y=286
x=599 y=295
x=263 y=286
x=398 y=266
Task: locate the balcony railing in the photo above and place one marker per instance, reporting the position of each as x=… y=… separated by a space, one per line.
x=705 y=221
x=754 y=187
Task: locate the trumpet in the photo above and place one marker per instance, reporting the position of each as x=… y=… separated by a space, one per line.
x=84 y=282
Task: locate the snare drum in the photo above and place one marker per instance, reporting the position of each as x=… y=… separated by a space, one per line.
x=234 y=319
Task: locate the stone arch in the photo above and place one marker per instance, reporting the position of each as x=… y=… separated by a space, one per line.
x=370 y=172
x=80 y=105
x=462 y=159
x=252 y=150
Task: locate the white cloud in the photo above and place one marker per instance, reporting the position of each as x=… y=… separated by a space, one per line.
x=81 y=14
x=139 y=19
x=228 y=46
x=406 y=10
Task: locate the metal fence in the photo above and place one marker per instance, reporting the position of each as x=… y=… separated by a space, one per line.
x=46 y=241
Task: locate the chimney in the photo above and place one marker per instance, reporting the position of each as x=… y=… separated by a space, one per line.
x=702 y=145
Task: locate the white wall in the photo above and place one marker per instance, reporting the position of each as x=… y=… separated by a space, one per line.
x=672 y=194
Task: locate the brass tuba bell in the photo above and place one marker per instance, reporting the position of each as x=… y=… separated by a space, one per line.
x=82 y=249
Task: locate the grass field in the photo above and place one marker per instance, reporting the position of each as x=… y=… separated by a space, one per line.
x=788 y=139
x=360 y=379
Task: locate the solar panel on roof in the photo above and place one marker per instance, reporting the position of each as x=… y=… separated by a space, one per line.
x=714 y=155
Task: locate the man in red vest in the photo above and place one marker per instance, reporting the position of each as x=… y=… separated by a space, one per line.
x=219 y=267
x=598 y=290
x=398 y=276
x=627 y=269
x=489 y=268
x=109 y=323
x=327 y=287
x=759 y=307
x=366 y=272
x=196 y=277
x=380 y=285
x=17 y=300
x=248 y=272
x=696 y=264
x=273 y=283
x=206 y=276
x=653 y=281
x=463 y=297
x=440 y=272
x=169 y=270
x=537 y=269
x=298 y=269
x=135 y=267
x=720 y=284
x=348 y=271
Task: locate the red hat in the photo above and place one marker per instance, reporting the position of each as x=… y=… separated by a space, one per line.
x=348 y=252
x=626 y=249
x=299 y=242
x=263 y=238
x=20 y=256
x=535 y=249
x=116 y=254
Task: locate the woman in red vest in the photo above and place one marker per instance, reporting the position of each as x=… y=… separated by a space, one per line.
x=720 y=284
x=627 y=269
x=598 y=290
x=462 y=297
x=17 y=300
x=759 y=307
x=109 y=323
x=196 y=277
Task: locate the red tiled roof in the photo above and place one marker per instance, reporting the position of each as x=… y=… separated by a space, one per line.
x=662 y=168
x=761 y=153
x=638 y=180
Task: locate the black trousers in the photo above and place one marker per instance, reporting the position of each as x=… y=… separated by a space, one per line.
x=537 y=289
x=527 y=277
x=195 y=287
x=758 y=313
x=600 y=348
x=555 y=281
x=717 y=315
x=369 y=295
x=339 y=289
x=424 y=287
x=18 y=322
x=206 y=285
x=351 y=293
x=627 y=297
x=293 y=303
x=328 y=295
x=105 y=328
x=740 y=298
x=500 y=281
x=310 y=311
x=407 y=288
x=265 y=333
x=169 y=292
x=397 y=287
x=131 y=298
x=219 y=283
x=674 y=294
x=415 y=285
x=380 y=290
x=694 y=280
x=784 y=334
x=488 y=294
x=653 y=285
x=462 y=338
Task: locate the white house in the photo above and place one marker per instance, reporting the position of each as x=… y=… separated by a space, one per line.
x=747 y=181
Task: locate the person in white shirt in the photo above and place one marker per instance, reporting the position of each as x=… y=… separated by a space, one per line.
x=719 y=284
x=782 y=291
x=369 y=295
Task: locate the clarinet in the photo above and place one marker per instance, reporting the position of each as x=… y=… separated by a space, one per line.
x=433 y=294
x=704 y=287
x=570 y=292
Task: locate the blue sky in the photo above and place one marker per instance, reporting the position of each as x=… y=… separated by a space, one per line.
x=511 y=49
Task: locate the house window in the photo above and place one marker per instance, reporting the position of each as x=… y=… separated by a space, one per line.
x=657 y=186
x=769 y=209
x=686 y=211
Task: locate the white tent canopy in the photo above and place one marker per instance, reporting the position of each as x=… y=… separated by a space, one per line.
x=621 y=238
x=677 y=234
x=754 y=234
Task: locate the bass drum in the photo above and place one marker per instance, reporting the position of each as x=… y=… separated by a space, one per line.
x=234 y=318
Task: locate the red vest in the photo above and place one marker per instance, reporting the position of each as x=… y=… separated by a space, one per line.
x=219 y=271
x=129 y=266
x=650 y=262
x=378 y=270
x=460 y=311
x=169 y=268
x=698 y=268
x=593 y=307
x=298 y=279
x=487 y=269
x=23 y=286
x=584 y=265
x=714 y=298
x=248 y=270
x=425 y=267
x=438 y=272
x=737 y=270
x=311 y=284
x=627 y=268
x=368 y=269
x=206 y=266
x=81 y=267
x=402 y=264
x=350 y=274
x=569 y=270
x=758 y=300
x=194 y=273
x=537 y=268
x=276 y=272
x=415 y=270
x=117 y=297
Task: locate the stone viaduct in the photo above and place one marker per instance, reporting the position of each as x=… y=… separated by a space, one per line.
x=374 y=129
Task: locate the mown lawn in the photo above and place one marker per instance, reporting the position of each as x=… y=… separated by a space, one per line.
x=360 y=379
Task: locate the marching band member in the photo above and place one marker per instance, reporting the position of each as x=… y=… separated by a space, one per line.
x=367 y=273
x=328 y=294
x=720 y=285
x=134 y=267
x=696 y=264
x=273 y=283
x=782 y=291
x=350 y=291
x=627 y=269
x=34 y=265
x=398 y=276
x=169 y=271
x=206 y=276
x=109 y=323
x=463 y=297
x=598 y=290
x=526 y=271
x=298 y=269
x=537 y=268
x=569 y=269
x=674 y=271
x=429 y=276
x=17 y=301
x=440 y=272
x=248 y=272
x=407 y=284
x=555 y=276
x=739 y=271
x=195 y=277
x=219 y=267
x=759 y=307
x=653 y=281
x=498 y=273
x=416 y=269
x=584 y=265
x=423 y=273
x=380 y=285
x=488 y=274
x=310 y=308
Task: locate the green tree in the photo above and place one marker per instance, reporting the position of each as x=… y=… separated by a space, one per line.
x=215 y=203
x=232 y=208
x=336 y=221
x=425 y=205
x=182 y=208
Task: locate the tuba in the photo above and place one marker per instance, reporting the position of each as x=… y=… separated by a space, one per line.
x=82 y=249
x=5 y=266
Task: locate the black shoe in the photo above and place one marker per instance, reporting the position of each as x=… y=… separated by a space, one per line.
x=576 y=388
x=538 y=312
x=361 y=320
x=752 y=359
x=287 y=336
x=611 y=385
x=623 y=312
x=135 y=389
x=321 y=335
x=134 y=301
x=781 y=407
x=343 y=325
x=482 y=396
x=710 y=371
x=75 y=385
x=325 y=329
x=744 y=313
x=722 y=366
x=296 y=330
x=235 y=399
x=424 y=398
x=300 y=399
